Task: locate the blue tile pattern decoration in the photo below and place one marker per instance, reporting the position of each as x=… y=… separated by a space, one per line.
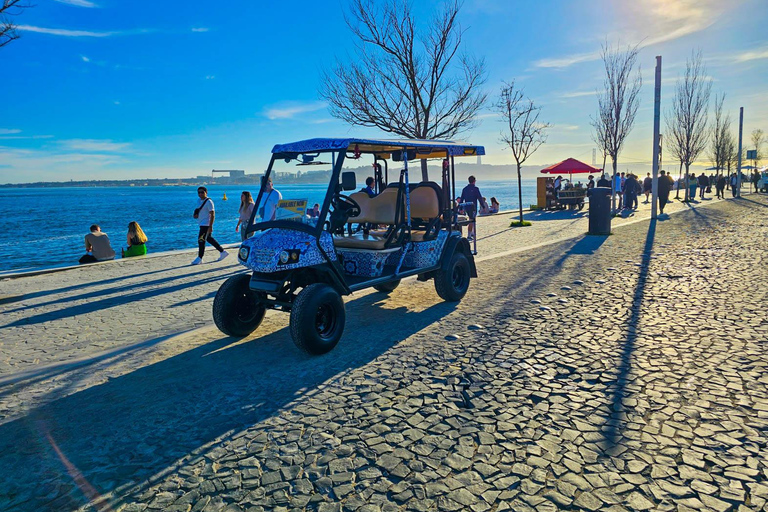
x=265 y=248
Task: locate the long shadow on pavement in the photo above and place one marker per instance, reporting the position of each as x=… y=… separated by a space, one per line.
x=139 y=424
x=618 y=392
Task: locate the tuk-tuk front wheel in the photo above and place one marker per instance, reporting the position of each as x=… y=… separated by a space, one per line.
x=317 y=319
x=237 y=310
x=452 y=283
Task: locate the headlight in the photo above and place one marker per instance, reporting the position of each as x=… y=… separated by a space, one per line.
x=243 y=253
x=284 y=257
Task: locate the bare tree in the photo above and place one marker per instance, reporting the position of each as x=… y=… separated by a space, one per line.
x=8 y=9
x=687 y=118
x=524 y=133
x=721 y=131
x=617 y=103
x=403 y=80
x=758 y=139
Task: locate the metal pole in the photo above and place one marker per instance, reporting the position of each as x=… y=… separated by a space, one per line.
x=656 y=136
x=738 y=165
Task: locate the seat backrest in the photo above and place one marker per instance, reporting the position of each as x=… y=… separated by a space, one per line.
x=376 y=210
x=425 y=201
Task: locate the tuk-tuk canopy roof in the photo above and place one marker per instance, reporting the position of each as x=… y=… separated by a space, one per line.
x=382 y=147
x=570 y=166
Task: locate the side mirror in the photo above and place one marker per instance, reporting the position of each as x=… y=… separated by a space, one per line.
x=348 y=181
x=409 y=154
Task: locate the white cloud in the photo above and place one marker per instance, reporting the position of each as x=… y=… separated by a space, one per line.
x=577 y=94
x=9 y=131
x=85 y=59
x=210 y=77
x=292 y=109
x=567 y=60
x=95 y=145
x=566 y=127
x=200 y=29
x=116 y=102
x=752 y=55
x=78 y=3
x=64 y=32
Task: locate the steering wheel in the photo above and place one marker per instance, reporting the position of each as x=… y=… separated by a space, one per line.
x=346 y=204
x=343 y=207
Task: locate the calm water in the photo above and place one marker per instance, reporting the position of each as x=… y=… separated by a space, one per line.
x=44 y=227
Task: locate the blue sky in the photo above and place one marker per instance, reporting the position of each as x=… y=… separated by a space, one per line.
x=107 y=89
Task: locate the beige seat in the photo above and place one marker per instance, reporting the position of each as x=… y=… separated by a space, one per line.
x=376 y=210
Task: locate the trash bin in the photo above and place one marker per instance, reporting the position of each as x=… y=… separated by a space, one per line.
x=599 y=211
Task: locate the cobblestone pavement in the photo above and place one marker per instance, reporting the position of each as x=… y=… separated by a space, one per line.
x=621 y=372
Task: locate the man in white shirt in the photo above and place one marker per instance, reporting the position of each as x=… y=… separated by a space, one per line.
x=270 y=198
x=205 y=214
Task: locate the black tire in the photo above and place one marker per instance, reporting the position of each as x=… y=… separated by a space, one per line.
x=317 y=319
x=236 y=308
x=452 y=284
x=387 y=287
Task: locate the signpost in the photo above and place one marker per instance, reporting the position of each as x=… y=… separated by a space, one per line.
x=656 y=137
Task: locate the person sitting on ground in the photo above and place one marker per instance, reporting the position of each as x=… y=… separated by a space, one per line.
x=495 y=206
x=314 y=212
x=97 y=246
x=485 y=210
x=137 y=241
x=368 y=189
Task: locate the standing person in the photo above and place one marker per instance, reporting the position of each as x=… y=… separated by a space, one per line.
x=137 y=241
x=368 y=189
x=271 y=198
x=246 y=209
x=471 y=194
x=703 y=184
x=617 y=183
x=604 y=182
x=97 y=246
x=755 y=180
x=205 y=214
x=558 y=184
x=647 y=186
x=720 y=186
x=734 y=184
x=693 y=182
x=630 y=192
x=591 y=182
x=665 y=185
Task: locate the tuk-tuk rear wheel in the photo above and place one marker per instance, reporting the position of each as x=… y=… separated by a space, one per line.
x=451 y=284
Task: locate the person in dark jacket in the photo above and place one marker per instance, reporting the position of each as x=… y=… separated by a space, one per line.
x=665 y=185
x=630 y=192
x=720 y=186
x=703 y=184
x=604 y=182
x=647 y=186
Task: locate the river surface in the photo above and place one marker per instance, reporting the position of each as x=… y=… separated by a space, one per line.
x=45 y=227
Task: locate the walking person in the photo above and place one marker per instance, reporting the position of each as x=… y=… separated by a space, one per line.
x=471 y=194
x=246 y=209
x=755 y=180
x=205 y=214
x=618 y=182
x=630 y=192
x=271 y=198
x=720 y=186
x=703 y=184
x=137 y=241
x=665 y=186
x=734 y=184
x=647 y=187
x=693 y=182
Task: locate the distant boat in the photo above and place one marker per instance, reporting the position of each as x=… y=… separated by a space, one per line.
x=224 y=198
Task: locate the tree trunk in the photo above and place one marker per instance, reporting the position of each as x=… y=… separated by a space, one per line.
x=613 y=183
x=424 y=173
x=520 y=192
x=679 y=177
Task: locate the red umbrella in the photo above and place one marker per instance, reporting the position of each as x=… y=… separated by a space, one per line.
x=570 y=166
